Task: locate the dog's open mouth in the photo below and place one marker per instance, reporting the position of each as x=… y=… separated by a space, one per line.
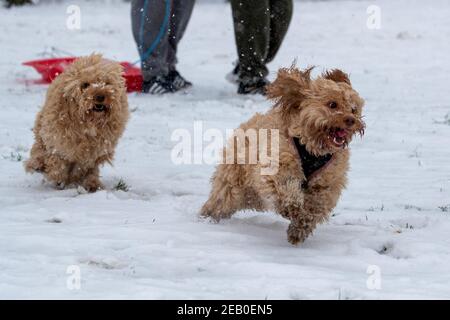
x=100 y=108
x=338 y=137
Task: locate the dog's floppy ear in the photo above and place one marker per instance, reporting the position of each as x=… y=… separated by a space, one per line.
x=337 y=75
x=289 y=88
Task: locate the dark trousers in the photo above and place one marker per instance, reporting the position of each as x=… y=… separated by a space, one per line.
x=149 y=32
x=259 y=27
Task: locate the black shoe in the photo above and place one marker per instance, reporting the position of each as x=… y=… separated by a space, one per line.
x=233 y=76
x=158 y=85
x=178 y=81
x=253 y=86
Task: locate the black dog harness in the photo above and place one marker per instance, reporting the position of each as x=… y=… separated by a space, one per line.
x=311 y=164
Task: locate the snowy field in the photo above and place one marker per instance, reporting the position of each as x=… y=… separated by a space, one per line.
x=149 y=242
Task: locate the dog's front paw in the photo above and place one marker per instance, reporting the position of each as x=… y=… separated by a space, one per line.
x=296 y=235
x=92 y=185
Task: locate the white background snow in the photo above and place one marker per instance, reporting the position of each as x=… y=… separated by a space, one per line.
x=149 y=242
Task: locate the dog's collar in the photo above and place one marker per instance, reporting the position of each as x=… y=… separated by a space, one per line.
x=311 y=164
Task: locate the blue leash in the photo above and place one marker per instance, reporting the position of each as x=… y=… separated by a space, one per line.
x=162 y=30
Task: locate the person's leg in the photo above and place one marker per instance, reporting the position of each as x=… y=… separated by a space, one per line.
x=147 y=19
x=252 y=33
x=281 y=15
x=181 y=14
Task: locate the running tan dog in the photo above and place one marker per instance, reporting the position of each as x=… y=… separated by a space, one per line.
x=316 y=119
x=78 y=128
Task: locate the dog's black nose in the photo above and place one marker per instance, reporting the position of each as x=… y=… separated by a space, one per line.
x=99 y=98
x=349 y=121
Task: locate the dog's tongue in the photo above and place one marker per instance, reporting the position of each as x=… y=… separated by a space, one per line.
x=340 y=133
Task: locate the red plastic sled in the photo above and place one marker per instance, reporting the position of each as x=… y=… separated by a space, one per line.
x=50 y=68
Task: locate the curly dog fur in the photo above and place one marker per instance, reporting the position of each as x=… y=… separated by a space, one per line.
x=323 y=114
x=77 y=130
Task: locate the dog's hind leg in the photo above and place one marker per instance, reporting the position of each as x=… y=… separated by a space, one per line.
x=223 y=202
x=227 y=194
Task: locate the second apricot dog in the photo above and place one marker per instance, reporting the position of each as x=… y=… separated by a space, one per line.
x=316 y=120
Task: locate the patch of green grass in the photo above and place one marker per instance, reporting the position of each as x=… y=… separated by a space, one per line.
x=14 y=156
x=412 y=207
x=122 y=186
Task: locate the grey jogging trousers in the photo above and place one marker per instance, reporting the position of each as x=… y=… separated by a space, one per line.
x=147 y=19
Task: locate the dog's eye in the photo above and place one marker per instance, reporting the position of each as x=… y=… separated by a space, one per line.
x=354 y=110
x=332 y=105
x=84 y=85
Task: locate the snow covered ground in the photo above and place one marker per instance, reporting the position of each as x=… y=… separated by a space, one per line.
x=149 y=242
